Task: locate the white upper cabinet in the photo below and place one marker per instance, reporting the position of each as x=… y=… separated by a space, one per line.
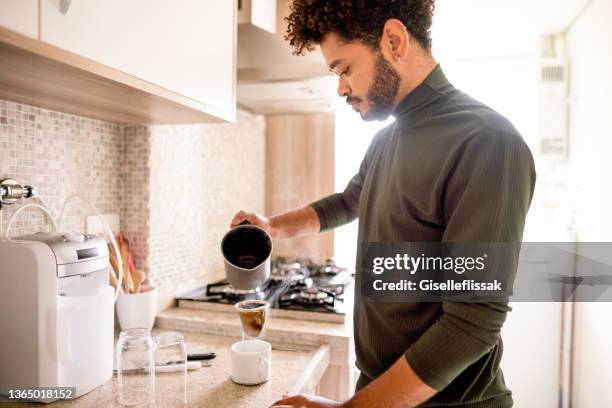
x=20 y=16
x=185 y=46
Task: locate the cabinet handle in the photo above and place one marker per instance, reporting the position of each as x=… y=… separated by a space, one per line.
x=65 y=5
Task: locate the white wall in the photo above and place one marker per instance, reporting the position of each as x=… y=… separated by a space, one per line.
x=530 y=364
x=589 y=50
x=531 y=334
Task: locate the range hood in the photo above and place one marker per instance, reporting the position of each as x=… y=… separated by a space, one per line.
x=270 y=78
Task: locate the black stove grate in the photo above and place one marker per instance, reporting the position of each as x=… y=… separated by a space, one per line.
x=323 y=288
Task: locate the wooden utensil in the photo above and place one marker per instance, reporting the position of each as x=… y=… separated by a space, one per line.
x=125 y=253
x=122 y=248
x=119 y=240
x=113 y=262
x=112 y=280
x=139 y=277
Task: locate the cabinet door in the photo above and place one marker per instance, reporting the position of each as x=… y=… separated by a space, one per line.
x=186 y=46
x=20 y=16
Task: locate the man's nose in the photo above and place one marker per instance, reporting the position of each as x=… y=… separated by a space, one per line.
x=343 y=88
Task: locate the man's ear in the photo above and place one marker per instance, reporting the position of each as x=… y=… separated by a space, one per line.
x=395 y=40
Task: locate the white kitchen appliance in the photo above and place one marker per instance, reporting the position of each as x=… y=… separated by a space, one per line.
x=56 y=312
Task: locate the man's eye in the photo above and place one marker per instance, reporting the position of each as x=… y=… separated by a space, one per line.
x=345 y=72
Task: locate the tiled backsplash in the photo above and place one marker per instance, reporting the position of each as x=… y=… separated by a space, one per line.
x=135 y=200
x=199 y=176
x=59 y=154
x=175 y=187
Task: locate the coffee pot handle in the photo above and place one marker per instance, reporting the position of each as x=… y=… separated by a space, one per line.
x=245 y=222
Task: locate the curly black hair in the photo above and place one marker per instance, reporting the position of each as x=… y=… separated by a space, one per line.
x=351 y=20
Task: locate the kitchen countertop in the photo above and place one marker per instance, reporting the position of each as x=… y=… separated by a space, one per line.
x=337 y=383
x=293 y=368
x=287 y=330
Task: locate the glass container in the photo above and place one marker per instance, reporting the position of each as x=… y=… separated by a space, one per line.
x=171 y=361
x=136 y=368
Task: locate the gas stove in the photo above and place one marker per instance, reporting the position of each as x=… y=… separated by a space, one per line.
x=294 y=284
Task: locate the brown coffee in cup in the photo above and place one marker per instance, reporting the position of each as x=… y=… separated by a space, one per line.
x=253 y=314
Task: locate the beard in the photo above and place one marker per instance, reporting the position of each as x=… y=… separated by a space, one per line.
x=381 y=95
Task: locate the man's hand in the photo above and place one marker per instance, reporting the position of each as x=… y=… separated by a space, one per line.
x=306 y=401
x=255 y=219
x=304 y=221
x=398 y=387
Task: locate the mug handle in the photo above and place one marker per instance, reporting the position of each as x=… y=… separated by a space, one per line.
x=263 y=365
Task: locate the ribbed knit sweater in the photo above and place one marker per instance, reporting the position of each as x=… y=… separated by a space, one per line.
x=449 y=169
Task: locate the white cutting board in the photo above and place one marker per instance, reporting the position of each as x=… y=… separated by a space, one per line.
x=95 y=226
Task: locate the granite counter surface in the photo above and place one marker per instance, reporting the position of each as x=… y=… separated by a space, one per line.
x=286 y=330
x=292 y=366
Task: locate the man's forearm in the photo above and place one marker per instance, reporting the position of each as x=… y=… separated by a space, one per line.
x=397 y=387
x=304 y=221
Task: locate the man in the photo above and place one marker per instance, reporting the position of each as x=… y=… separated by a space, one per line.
x=449 y=169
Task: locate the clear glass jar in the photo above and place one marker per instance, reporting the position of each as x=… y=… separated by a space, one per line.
x=171 y=360
x=136 y=368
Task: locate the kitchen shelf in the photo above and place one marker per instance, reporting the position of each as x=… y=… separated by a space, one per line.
x=36 y=73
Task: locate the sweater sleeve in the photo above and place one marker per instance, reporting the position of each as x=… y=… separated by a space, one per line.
x=486 y=199
x=338 y=209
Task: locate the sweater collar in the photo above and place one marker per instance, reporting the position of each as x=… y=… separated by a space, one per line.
x=435 y=83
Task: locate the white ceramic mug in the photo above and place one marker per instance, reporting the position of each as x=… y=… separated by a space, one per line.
x=137 y=310
x=251 y=362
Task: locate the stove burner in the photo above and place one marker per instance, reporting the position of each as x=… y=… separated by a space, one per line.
x=284 y=270
x=224 y=292
x=289 y=266
x=328 y=269
x=287 y=276
x=229 y=290
x=313 y=294
x=294 y=283
x=310 y=298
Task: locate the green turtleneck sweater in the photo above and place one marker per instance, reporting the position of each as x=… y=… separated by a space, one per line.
x=449 y=169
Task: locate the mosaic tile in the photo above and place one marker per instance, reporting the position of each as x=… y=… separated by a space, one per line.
x=174 y=187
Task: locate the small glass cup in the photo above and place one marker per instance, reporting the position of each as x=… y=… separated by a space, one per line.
x=136 y=367
x=253 y=315
x=171 y=361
